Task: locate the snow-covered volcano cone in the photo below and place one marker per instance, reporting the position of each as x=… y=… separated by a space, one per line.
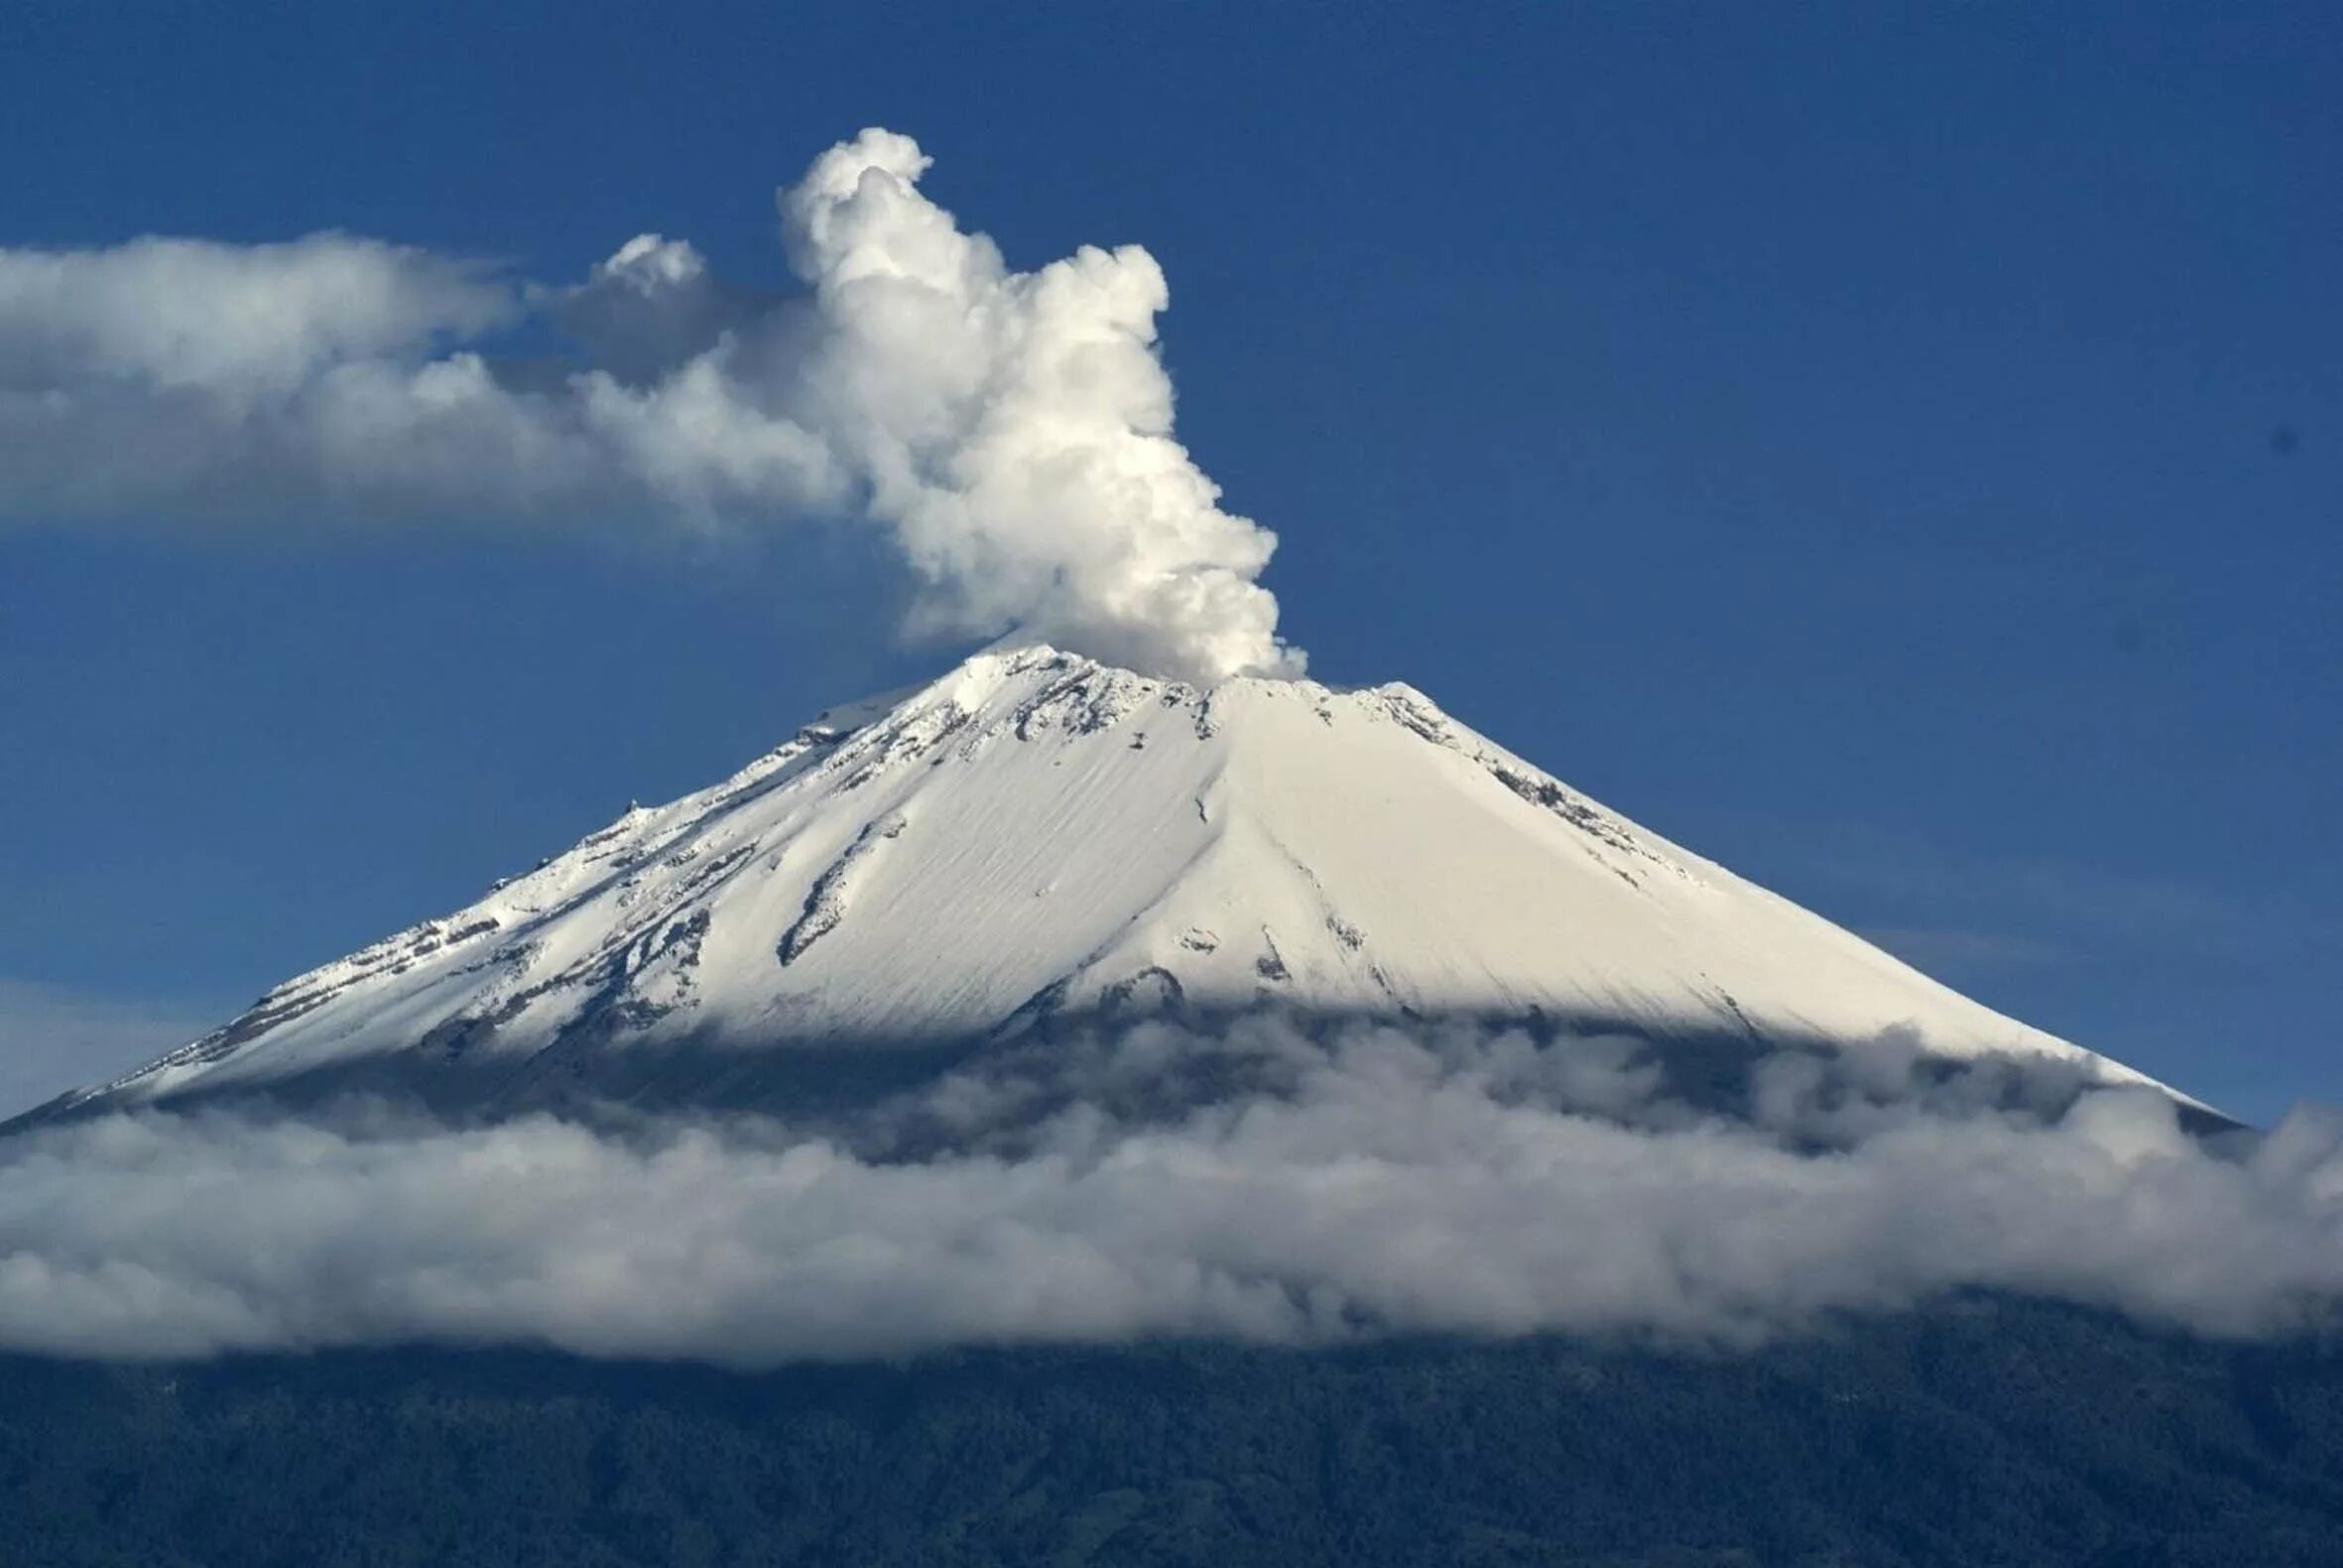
x=1035 y=841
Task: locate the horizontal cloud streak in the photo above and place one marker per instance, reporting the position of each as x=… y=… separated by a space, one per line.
x=53 y=1040
x=1259 y=1184
x=247 y=319
x=1010 y=431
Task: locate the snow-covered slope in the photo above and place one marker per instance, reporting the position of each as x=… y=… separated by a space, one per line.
x=1036 y=836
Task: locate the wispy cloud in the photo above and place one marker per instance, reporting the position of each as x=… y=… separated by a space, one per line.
x=1951 y=954
x=2052 y=906
x=53 y=1039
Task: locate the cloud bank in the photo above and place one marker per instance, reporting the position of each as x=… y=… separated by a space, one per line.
x=1011 y=431
x=1265 y=1183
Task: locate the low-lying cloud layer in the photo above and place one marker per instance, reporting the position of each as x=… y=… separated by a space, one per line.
x=1261 y=1183
x=1010 y=431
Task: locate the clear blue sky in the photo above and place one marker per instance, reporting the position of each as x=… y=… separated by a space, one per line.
x=1900 y=458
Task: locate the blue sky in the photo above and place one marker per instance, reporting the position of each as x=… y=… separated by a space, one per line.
x=1900 y=457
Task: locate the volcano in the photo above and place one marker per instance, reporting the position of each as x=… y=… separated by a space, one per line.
x=1038 y=841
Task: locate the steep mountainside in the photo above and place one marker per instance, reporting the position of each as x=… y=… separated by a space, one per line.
x=1036 y=838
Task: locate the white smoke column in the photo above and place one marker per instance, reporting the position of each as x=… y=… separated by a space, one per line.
x=1016 y=428
x=1011 y=431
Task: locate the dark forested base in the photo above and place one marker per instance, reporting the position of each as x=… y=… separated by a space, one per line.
x=1974 y=1433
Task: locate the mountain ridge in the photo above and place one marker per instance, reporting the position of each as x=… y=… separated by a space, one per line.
x=1036 y=836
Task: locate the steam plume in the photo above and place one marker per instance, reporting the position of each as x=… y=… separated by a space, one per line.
x=1010 y=431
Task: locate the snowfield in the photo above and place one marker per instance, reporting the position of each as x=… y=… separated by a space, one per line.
x=1036 y=836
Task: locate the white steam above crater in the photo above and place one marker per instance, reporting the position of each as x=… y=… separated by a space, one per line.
x=1011 y=432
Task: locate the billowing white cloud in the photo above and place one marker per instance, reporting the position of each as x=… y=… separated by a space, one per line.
x=1010 y=431
x=1016 y=428
x=1264 y=1184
